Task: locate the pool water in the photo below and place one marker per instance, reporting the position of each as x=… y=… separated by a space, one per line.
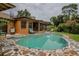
x=43 y=41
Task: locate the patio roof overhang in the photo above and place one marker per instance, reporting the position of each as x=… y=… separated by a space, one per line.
x=32 y=20
x=5 y=6
x=24 y=18
x=43 y=22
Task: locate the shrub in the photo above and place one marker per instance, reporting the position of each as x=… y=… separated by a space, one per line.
x=52 y=28
x=64 y=28
x=68 y=28
x=60 y=27
x=75 y=29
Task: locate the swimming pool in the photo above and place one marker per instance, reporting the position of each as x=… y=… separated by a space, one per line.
x=43 y=41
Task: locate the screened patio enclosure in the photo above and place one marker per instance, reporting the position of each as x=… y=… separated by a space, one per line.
x=3 y=25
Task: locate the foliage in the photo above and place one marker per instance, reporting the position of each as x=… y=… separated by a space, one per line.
x=54 y=20
x=70 y=10
x=52 y=28
x=70 y=26
x=65 y=18
x=57 y=20
x=64 y=28
x=23 y=13
x=60 y=18
x=68 y=21
x=75 y=29
x=3 y=22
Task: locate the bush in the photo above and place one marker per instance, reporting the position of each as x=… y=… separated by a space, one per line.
x=52 y=28
x=64 y=28
x=74 y=28
x=60 y=27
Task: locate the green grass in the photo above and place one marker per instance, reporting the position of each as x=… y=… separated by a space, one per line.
x=72 y=36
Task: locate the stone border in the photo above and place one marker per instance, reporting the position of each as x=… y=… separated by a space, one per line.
x=74 y=44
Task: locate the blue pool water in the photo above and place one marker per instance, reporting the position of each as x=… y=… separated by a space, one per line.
x=43 y=41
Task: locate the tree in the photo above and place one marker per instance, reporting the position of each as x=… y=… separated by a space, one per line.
x=69 y=10
x=54 y=20
x=77 y=18
x=26 y=13
x=65 y=18
x=60 y=18
x=23 y=13
x=20 y=13
x=57 y=20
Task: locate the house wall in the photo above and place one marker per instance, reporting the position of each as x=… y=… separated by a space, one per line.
x=9 y=26
x=17 y=27
x=20 y=30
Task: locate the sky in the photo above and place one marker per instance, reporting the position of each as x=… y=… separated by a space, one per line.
x=42 y=11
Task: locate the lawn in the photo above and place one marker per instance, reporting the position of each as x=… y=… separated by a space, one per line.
x=72 y=36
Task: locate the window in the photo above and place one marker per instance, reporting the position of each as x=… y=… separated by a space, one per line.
x=23 y=24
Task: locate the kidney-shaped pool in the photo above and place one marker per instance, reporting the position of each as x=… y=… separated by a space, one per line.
x=43 y=41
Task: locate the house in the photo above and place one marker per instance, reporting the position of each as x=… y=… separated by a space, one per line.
x=22 y=25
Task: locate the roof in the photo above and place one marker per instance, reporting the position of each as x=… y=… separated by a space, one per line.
x=23 y=18
x=30 y=19
x=5 y=6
